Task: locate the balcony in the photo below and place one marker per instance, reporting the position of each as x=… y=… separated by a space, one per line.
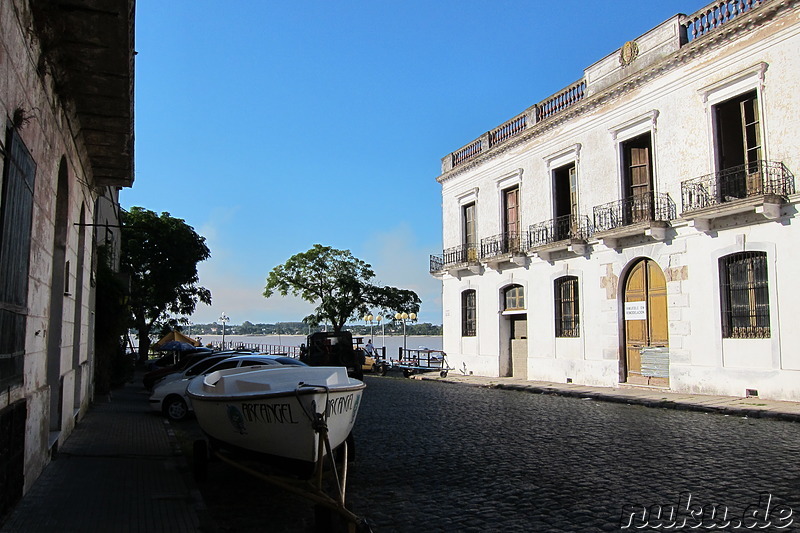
x=761 y=187
x=564 y=233
x=549 y=107
x=643 y=214
x=506 y=247
x=453 y=260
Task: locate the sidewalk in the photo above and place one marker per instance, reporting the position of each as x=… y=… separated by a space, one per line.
x=647 y=396
x=120 y=470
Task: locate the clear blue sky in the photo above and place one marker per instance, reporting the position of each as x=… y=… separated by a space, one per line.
x=272 y=126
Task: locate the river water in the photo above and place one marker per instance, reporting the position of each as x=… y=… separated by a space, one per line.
x=392 y=343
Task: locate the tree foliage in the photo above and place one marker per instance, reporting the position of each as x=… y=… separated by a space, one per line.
x=339 y=283
x=161 y=253
x=111 y=323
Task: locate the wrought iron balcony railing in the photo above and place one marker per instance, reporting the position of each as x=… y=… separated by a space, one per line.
x=437 y=264
x=559 y=229
x=505 y=243
x=457 y=255
x=758 y=178
x=465 y=253
x=648 y=207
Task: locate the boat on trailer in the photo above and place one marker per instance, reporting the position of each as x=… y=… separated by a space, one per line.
x=277 y=412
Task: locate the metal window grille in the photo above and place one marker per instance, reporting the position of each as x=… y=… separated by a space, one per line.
x=468 y=313
x=515 y=298
x=16 y=209
x=745 y=295
x=566 y=302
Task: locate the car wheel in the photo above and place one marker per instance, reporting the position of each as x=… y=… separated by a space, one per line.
x=175 y=408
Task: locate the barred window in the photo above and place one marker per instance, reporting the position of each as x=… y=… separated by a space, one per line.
x=567 y=312
x=515 y=298
x=468 y=313
x=16 y=209
x=745 y=295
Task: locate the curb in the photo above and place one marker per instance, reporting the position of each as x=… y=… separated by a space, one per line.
x=611 y=397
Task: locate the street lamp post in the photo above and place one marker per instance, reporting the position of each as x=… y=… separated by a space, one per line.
x=379 y=319
x=368 y=320
x=223 y=318
x=403 y=317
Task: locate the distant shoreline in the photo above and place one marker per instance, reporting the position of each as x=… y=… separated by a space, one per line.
x=293 y=335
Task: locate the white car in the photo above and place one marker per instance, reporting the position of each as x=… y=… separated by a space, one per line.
x=169 y=397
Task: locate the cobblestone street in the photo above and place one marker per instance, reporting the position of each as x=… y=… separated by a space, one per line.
x=434 y=456
x=442 y=457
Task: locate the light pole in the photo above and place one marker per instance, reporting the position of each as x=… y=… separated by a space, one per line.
x=368 y=320
x=379 y=318
x=403 y=317
x=223 y=318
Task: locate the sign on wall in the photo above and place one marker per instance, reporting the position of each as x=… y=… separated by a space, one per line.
x=636 y=310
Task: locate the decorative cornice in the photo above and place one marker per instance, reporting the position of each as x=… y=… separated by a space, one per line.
x=723 y=34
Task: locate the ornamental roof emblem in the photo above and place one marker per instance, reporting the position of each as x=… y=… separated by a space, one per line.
x=628 y=53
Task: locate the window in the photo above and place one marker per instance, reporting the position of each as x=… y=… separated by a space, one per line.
x=739 y=146
x=638 y=179
x=745 y=295
x=468 y=313
x=16 y=209
x=515 y=298
x=511 y=220
x=567 y=312
x=566 y=201
x=470 y=236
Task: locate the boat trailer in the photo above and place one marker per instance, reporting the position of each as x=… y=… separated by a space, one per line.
x=422 y=360
x=312 y=488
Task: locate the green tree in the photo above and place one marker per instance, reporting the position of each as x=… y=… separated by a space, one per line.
x=160 y=253
x=111 y=323
x=340 y=284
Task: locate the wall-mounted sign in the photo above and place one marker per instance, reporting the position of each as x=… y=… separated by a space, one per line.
x=635 y=310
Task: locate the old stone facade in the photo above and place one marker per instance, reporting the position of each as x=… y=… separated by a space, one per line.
x=639 y=227
x=66 y=104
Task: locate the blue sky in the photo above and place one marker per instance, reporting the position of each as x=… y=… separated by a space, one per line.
x=273 y=126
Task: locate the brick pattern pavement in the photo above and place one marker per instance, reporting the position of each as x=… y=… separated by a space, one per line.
x=120 y=471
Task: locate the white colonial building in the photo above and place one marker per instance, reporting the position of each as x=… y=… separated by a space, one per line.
x=640 y=226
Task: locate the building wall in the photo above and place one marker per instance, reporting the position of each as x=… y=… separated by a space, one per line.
x=669 y=94
x=62 y=172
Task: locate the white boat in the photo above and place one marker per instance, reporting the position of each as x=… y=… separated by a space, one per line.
x=275 y=411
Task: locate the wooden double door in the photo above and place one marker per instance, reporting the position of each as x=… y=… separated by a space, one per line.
x=646 y=324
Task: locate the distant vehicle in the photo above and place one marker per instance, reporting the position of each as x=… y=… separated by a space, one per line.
x=169 y=397
x=326 y=348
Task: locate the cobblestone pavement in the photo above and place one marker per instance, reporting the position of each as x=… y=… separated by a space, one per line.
x=435 y=456
x=441 y=457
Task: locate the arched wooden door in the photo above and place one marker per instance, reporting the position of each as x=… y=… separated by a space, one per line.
x=646 y=323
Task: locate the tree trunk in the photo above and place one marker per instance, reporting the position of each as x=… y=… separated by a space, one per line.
x=144 y=343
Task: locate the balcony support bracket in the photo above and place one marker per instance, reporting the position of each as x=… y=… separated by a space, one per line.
x=610 y=242
x=658 y=233
x=770 y=211
x=701 y=224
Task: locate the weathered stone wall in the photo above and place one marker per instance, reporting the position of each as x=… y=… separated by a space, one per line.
x=27 y=87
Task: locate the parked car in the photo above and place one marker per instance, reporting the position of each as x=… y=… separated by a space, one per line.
x=175 y=371
x=173 y=357
x=169 y=397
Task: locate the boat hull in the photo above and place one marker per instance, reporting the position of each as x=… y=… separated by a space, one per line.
x=273 y=411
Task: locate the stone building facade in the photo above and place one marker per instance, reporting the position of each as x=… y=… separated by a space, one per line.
x=639 y=227
x=66 y=105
